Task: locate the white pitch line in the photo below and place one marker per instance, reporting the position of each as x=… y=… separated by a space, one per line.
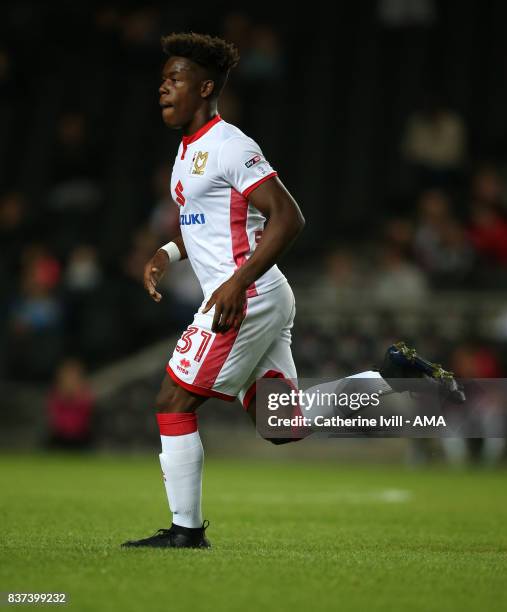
x=386 y=496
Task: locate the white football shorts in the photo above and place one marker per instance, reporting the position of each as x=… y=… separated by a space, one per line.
x=227 y=365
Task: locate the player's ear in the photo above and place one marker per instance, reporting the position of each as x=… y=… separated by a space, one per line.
x=207 y=88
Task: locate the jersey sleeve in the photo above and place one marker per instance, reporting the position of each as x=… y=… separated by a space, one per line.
x=243 y=165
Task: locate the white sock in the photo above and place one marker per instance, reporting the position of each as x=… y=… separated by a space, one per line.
x=374 y=384
x=181 y=460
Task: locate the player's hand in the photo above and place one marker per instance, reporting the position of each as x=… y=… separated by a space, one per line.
x=229 y=301
x=153 y=272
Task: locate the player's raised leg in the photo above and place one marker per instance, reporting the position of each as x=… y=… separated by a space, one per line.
x=181 y=460
x=403 y=369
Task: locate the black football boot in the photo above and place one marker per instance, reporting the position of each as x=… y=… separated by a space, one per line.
x=175 y=537
x=401 y=364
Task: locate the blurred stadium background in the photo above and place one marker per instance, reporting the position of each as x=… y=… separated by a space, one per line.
x=387 y=123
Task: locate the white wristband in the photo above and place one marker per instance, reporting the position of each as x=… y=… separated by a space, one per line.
x=171 y=248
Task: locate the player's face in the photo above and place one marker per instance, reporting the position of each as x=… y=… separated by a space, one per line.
x=180 y=91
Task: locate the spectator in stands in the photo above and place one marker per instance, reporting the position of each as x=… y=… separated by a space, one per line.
x=433 y=215
x=341 y=281
x=488 y=188
x=441 y=245
x=35 y=334
x=91 y=328
x=143 y=316
x=76 y=191
x=397 y=281
x=76 y=166
x=70 y=405
x=434 y=143
x=83 y=273
x=487 y=230
x=36 y=308
x=488 y=234
x=485 y=424
x=13 y=227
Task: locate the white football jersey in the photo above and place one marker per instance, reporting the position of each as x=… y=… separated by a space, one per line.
x=215 y=171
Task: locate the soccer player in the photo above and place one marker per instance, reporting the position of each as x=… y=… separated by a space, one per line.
x=237 y=219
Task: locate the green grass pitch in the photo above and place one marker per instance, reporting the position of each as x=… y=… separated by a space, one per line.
x=286 y=536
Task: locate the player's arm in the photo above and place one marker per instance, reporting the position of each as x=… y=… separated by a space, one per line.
x=157 y=266
x=284 y=221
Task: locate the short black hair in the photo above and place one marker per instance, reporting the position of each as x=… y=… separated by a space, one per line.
x=212 y=53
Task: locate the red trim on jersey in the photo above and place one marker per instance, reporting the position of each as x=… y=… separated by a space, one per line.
x=238 y=219
x=239 y=236
x=177 y=423
x=252 y=390
x=186 y=140
x=251 y=291
x=198 y=390
x=249 y=190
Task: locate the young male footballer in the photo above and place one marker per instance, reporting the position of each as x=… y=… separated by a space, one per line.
x=237 y=219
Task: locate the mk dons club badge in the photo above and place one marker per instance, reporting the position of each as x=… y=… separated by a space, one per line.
x=199 y=162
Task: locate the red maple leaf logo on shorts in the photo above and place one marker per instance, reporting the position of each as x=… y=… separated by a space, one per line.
x=185 y=363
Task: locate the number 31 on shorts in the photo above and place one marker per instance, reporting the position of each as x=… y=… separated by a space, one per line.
x=199 y=342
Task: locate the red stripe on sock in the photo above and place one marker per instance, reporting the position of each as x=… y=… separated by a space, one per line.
x=176 y=423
